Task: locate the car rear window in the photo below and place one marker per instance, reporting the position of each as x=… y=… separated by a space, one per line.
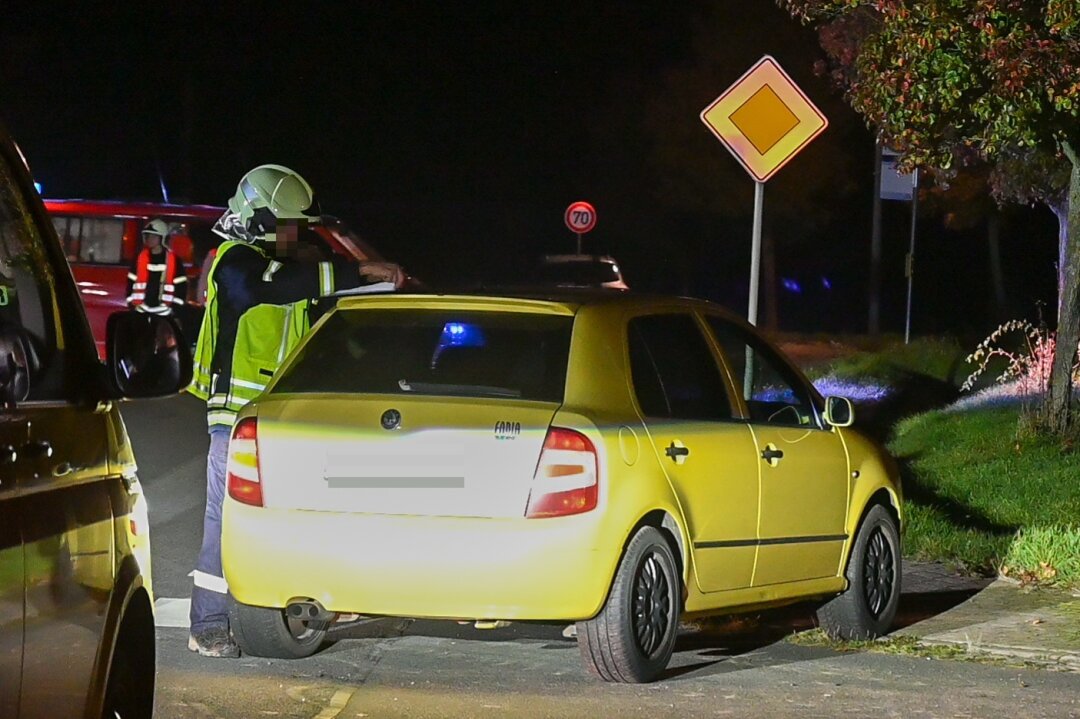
x=434 y=352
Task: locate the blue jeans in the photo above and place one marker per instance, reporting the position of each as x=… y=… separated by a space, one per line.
x=210 y=593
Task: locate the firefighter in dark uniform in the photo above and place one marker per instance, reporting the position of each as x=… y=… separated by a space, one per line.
x=256 y=311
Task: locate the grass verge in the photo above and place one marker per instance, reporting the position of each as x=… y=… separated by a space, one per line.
x=906 y=646
x=985 y=498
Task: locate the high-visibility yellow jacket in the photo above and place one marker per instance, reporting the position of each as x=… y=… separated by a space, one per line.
x=256 y=312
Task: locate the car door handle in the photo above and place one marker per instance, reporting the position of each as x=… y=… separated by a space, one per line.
x=772 y=455
x=674 y=452
x=38 y=449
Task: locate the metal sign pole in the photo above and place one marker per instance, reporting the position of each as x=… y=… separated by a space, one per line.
x=578 y=242
x=755 y=252
x=910 y=264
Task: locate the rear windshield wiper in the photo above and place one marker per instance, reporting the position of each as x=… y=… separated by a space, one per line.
x=468 y=390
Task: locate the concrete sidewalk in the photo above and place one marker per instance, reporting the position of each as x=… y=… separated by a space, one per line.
x=1000 y=618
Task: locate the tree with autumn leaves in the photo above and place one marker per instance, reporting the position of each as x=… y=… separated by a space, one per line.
x=947 y=82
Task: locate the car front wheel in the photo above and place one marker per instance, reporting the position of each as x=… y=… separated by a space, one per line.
x=867 y=608
x=267 y=632
x=633 y=636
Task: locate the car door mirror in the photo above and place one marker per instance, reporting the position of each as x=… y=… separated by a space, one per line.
x=839 y=411
x=16 y=363
x=147 y=355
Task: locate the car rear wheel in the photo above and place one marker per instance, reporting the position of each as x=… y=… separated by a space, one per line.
x=867 y=608
x=633 y=636
x=266 y=632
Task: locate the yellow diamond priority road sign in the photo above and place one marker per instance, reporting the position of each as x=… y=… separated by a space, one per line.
x=764 y=119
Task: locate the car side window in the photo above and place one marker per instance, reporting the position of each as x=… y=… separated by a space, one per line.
x=28 y=292
x=773 y=392
x=673 y=371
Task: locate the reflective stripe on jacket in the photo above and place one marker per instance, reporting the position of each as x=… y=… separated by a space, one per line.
x=168 y=275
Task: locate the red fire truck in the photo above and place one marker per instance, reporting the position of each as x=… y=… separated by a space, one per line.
x=101 y=239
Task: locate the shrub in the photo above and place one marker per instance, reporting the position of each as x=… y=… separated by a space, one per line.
x=1027 y=361
x=1048 y=555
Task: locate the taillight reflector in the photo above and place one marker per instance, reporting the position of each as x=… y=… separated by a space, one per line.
x=243 y=467
x=566 y=476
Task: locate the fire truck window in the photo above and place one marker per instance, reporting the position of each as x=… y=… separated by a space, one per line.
x=68 y=230
x=100 y=240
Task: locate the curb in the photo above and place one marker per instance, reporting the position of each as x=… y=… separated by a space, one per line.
x=1040 y=627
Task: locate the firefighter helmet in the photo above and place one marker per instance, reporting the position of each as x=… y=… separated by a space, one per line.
x=270 y=193
x=158 y=227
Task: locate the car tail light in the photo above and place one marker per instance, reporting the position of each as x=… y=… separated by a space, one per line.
x=566 y=476
x=243 y=467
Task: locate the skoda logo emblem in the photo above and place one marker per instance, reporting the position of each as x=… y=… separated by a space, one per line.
x=391 y=419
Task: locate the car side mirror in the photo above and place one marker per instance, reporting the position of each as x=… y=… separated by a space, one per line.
x=839 y=411
x=16 y=364
x=146 y=355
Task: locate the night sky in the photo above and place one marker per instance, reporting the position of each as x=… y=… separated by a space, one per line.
x=453 y=135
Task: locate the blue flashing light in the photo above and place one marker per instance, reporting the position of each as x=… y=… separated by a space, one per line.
x=791 y=285
x=460 y=334
x=826 y=283
x=37 y=186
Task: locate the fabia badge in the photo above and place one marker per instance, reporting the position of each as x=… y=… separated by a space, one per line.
x=391 y=419
x=507 y=430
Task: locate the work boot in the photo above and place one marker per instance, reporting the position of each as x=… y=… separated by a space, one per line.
x=214 y=642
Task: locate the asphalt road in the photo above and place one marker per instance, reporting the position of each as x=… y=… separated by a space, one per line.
x=399 y=667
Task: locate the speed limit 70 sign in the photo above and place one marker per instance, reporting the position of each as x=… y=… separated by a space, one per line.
x=580 y=217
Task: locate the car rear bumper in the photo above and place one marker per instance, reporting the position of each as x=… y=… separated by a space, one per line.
x=435 y=567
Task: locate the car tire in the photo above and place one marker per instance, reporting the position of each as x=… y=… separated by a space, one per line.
x=867 y=608
x=129 y=693
x=121 y=689
x=267 y=632
x=633 y=636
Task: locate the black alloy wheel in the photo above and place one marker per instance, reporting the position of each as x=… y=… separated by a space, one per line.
x=633 y=636
x=879 y=573
x=652 y=602
x=866 y=609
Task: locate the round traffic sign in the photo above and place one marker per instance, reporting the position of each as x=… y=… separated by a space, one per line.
x=580 y=217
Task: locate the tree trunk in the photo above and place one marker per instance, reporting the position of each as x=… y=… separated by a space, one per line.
x=1061 y=212
x=1059 y=402
x=997 y=276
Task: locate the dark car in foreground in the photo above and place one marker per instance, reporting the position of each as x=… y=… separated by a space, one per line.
x=76 y=603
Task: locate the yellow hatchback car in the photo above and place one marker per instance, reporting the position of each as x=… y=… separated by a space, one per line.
x=613 y=460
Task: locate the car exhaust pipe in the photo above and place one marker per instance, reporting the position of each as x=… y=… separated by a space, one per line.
x=308 y=610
